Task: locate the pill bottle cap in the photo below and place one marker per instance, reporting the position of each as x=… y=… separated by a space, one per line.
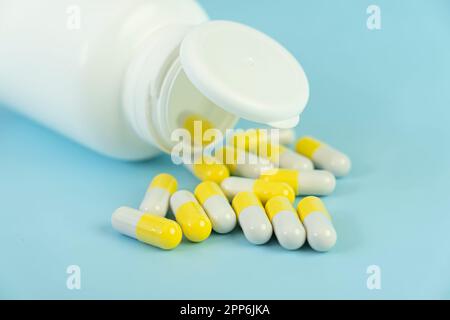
x=245 y=72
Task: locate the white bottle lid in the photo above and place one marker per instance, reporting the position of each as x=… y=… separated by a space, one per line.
x=245 y=72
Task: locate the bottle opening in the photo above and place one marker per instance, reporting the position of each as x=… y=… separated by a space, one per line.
x=184 y=111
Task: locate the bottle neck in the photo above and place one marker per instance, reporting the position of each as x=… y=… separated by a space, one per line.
x=144 y=80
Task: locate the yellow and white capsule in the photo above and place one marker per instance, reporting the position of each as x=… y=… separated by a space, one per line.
x=242 y=163
x=317 y=221
x=148 y=228
x=216 y=205
x=209 y=169
x=252 y=218
x=260 y=143
x=309 y=182
x=286 y=158
x=263 y=189
x=156 y=200
x=324 y=156
x=287 y=226
x=190 y=215
x=256 y=136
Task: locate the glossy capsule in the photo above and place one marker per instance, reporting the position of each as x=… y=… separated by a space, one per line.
x=242 y=163
x=252 y=218
x=287 y=226
x=286 y=158
x=190 y=215
x=260 y=143
x=256 y=136
x=324 y=156
x=148 y=228
x=216 y=205
x=309 y=182
x=320 y=231
x=263 y=189
x=209 y=169
x=156 y=200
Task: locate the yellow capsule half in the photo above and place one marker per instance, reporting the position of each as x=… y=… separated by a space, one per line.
x=190 y=215
x=209 y=169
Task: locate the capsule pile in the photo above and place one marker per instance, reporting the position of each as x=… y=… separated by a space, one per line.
x=258 y=195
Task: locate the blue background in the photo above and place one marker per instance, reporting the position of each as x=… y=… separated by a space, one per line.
x=381 y=96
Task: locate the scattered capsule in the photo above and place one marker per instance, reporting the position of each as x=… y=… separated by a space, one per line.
x=259 y=142
x=148 y=228
x=309 y=182
x=242 y=163
x=324 y=156
x=190 y=215
x=263 y=189
x=287 y=226
x=286 y=158
x=253 y=137
x=156 y=200
x=317 y=221
x=216 y=205
x=252 y=218
x=209 y=169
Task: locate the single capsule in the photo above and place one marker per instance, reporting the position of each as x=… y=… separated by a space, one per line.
x=256 y=136
x=190 y=215
x=209 y=169
x=317 y=221
x=287 y=226
x=260 y=143
x=216 y=205
x=263 y=189
x=324 y=156
x=252 y=218
x=286 y=158
x=156 y=200
x=148 y=228
x=309 y=182
x=242 y=163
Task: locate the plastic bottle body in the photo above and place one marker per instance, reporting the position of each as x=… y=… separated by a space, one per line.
x=69 y=65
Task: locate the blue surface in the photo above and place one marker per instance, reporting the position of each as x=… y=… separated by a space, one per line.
x=381 y=96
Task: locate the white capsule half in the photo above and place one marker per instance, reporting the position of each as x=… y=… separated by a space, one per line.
x=156 y=199
x=291 y=160
x=324 y=156
x=252 y=218
x=287 y=226
x=216 y=205
x=320 y=231
x=309 y=182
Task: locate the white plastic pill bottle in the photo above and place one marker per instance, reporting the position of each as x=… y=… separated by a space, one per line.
x=119 y=76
